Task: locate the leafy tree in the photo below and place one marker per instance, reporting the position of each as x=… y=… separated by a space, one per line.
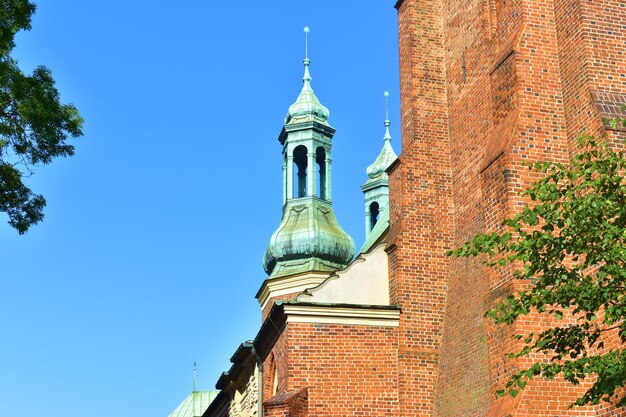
x=570 y=244
x=34 y=124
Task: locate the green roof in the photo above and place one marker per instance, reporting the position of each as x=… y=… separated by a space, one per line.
x=376 y=171
x=195 y=404
x=307 y=106
x=309 y=238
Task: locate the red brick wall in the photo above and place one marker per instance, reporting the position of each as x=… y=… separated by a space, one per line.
x=421 y=205
x=348 y=371
x=272 y=300
x=591 y=40
x=485 y=85
x=294 y=404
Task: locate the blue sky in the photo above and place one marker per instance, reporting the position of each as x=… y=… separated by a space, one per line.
x=151 y=250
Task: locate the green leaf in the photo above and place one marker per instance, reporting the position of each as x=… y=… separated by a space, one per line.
x=34 y=125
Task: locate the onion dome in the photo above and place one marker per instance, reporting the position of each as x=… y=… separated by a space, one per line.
x=309 y=238
x=307 y=106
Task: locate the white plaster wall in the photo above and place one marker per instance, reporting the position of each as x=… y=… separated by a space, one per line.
x=365 y=281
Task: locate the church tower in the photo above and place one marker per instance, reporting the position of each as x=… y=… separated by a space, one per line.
x=309 y=239
x=376 y=189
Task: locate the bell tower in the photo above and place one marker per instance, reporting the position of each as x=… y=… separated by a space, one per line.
x=309 y=240
x=376 y=189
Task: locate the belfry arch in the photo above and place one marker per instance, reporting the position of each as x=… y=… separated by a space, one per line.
x=300 y=171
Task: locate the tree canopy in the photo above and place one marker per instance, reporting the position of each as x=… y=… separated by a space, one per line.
x=34 y=124
x=569 y=243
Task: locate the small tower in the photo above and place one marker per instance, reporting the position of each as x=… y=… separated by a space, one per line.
x=309 y=238
x=376 y=189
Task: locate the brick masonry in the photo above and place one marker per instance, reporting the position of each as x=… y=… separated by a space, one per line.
x=485 y=86
x=347 y=370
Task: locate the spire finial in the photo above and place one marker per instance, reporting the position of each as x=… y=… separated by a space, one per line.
x=306 y=42
x=307 y=76
x=386 y=106
x=387 y=122
x=194 y=375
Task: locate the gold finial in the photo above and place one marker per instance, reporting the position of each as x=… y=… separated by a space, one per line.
x=306 y=42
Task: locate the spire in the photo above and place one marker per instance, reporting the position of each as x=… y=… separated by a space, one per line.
x=387 y=155
x=309 y=238
x=376 y=189
x=387 y=122
x=194 y=375
x=306 y=42
x=386 y=93
x=307 y=106
x=307 y=77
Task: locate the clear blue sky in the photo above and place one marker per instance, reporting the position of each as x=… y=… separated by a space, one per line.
x=150 y=253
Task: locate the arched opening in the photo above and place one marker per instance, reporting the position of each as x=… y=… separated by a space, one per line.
x=374 y=212
x=299 y=171
x=320 y=159
x=275 y=381
x=270 y=387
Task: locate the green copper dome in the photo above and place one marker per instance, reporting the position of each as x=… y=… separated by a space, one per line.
x=309 y=238
x=376 y=171
x=307 y=106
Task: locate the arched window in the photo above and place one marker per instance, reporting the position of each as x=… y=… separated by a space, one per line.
x=320 y=159
x=275 y=381
x=374 y=212
x=270 y=387
x=299 y=171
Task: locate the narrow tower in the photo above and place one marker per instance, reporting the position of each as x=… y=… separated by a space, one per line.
x=376 y=189
x=309 y=238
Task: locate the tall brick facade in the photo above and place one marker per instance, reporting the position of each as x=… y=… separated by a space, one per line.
x=485 y=85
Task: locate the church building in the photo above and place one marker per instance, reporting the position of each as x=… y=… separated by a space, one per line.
x=328 y=343
x=397 y=328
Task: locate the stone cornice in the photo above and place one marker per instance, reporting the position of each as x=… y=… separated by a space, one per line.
x=385 y=316
x=374 y=184
x=288 y=285
x=303 y=312
x=316 y=126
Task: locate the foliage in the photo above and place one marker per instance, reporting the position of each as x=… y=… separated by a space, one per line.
x=34 y=124
x=570 y=244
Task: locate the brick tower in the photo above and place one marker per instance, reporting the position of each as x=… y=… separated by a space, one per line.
x=485 y=85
